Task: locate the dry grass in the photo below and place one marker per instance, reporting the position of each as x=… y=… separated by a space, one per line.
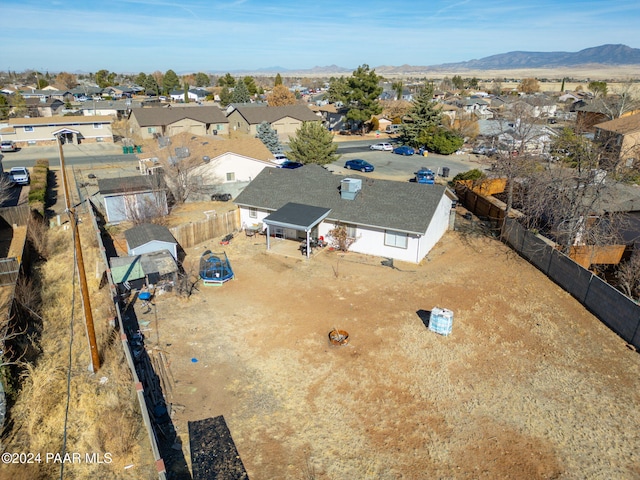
x=529 y=384
x=103 y=410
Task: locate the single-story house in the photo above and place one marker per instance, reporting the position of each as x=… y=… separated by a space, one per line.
x=193 y=94
x=137 y=197
x=115 y=108
x=137 y=270
x=620 y=139
x=398 y=220
x=215 y=165
x=149 y=238
x=44 y=107
x=284 y=120
x=43 y=131
x=169 y=121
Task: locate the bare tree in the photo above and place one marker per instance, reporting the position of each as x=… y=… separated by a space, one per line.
x=628 y=274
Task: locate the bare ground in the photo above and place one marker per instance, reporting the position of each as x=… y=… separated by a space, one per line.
x=528 y=385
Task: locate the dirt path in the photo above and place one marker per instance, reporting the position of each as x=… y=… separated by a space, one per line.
x=528 y=385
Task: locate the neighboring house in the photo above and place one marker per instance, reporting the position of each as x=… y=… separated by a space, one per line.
x=590 y=113
x=473 y=105
x=620 y=139
x=194 y=95
x=44 y=107
x=133 y=198
x=533 y=105
x=284 y=120
x=115 y=108
x=62 y=95
x=507 y=136
x=149 y=238
x=225 y=165
x=398 y=220
x=43 y=131
x=86 y=92
x=169 y=121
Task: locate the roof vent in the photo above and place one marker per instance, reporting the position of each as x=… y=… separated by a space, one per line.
x=350 y=187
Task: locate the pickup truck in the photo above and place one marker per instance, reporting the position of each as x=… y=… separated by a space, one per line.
x=19 y=175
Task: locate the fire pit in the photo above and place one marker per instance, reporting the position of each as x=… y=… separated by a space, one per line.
x=338 y=337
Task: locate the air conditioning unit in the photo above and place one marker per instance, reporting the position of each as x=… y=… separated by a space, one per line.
x=349 y=188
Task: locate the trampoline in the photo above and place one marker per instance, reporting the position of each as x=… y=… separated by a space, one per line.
x=215 y=268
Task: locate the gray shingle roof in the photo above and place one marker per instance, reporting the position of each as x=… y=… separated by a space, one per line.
x=256 y=115
x=147 y=232
x=131 y=184
x=401 y=206
x=166 y=116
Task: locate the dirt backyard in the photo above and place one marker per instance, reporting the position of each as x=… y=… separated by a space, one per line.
x=528 y=384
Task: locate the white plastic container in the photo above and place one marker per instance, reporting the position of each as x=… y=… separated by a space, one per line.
x=441 y=321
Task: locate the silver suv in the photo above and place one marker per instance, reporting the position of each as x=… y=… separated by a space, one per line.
x=8 y=146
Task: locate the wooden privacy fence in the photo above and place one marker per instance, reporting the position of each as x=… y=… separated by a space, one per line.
x=219 y=225
x=16 y=215
x=620 y=313
x=9 y=270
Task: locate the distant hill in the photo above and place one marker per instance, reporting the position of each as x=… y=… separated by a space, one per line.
x=603 y=55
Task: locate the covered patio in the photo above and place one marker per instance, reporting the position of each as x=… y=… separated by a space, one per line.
x=297 y=217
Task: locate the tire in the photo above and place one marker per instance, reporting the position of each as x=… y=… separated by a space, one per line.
x=363 y=170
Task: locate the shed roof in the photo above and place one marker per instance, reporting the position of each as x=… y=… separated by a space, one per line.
x=130 y=184
x=147 y=232
x=400 y=206
x=134 y=267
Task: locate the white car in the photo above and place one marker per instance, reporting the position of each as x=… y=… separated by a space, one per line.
x=280 y=158
x=381 y=146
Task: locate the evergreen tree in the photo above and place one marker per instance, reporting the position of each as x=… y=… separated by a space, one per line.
x=170 y=82
x=102 y=78
x=141 y=79
x=4 y=107
x=458 y=82
x=225 y=96
x=151 y=86
x=227 y=81
x=278 y=80
x=251 y=85
x=424 y=115
x=240 y=93
x=19 y=105
x=202 y=80
x=337 y=91
x=313 y=143
x=269 y=137
x=363 y=90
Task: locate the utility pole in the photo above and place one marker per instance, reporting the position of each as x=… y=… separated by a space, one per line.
x=86 y=302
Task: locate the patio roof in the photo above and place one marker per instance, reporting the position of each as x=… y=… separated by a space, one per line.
x=297 y=216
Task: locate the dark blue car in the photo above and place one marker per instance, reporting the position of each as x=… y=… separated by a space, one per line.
x=404 y=150
x=358 y=164
x=290 y=164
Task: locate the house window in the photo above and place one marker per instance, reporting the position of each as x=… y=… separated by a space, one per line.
x=395 y=239
x=99 y=139
x=151 y=130
x=351 y=230
x=231 y=176
x=28 y=129
x=97 y=125
x=253 y=213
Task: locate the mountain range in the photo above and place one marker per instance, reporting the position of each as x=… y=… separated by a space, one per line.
x=607 y=55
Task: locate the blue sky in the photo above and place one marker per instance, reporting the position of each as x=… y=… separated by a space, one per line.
x=198 y=35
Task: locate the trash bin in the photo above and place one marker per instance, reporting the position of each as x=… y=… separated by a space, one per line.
x=125 y=149
x=129 y=149
x=138 y=149
x=445 y=172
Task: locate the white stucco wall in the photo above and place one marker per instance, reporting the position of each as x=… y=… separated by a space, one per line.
x=244 y=169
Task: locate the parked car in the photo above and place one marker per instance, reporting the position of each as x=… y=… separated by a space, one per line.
x=8 y=146
x=381 y=146
x=290 y=164
x=358 y=164
x=221 y=197
x=404 y=150
x=19 y=175
x=280 y=158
